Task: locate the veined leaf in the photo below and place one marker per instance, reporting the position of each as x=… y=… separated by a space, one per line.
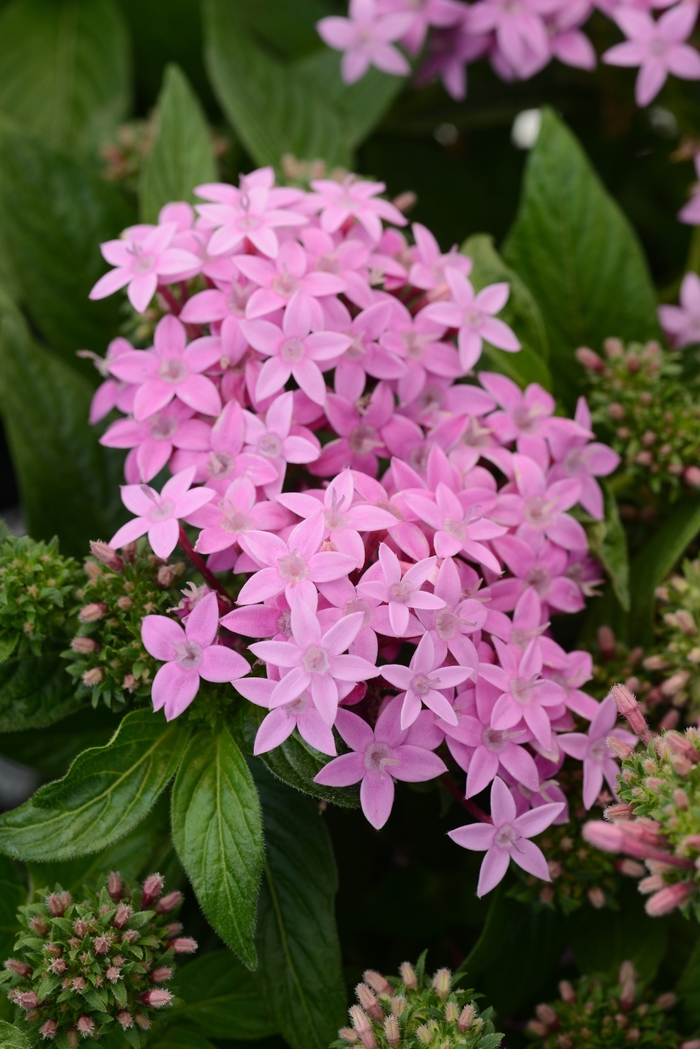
x=12 y=896
x=578 y=255
x=217 y=831
x=65 y=70
x=35 y=692
x=105 y=793
x=297 y=937
x=182 y=156
x=608 y=543
x=221 y=998
x=12 y=1038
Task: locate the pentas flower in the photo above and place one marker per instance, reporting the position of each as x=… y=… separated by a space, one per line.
x=583 y=460
x=360 y=441
x=538 y=508
x=473 y=316
x=155 y=438
x=507 y=838
x=525 y=694
x=280 y=723
x=659 y=48
x=159 y=513
x=520 y=30
x=400 y=591
x=141 y=258
x=681 y=324
x=379 y=757
x=450 y=625
x=354 y=199
x=189 y=655
x=279 y=280
x=592 y=749
x=459 y=522
x=366 y=39
x=316 y=661
x=541 y=566
x=223 y=520
x=424 y=681
x=254 y=214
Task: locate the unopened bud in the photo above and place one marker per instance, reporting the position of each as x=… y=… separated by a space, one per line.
x=125 y=1018
x=655 y=663
x=666 y=1001
x=368 y=1001
x=94 y=676
x=129 y=683
x=169 y=903
x=377 y=982
x=537 y=1028
x=173 y=930
x=398 y=1004
x=19 y=968
x=101 y=944
x=630 y=868
x=124 y=602
x=183 y=945
x=113 y=973
x=54 y=949
x=157 y=998
x=115 y=886
x=109 y=557
x=613 y=348
x=58 y=966
x=589 y=359
x=682 y=745
x=143 y=1021
x=84 y=645
x=466 y=1018
x=672 y=685
x=681 y=765
x=91 y=613
x=629 y=708
x=39 y=926
x=606 y=642
x=627 y=995
x=408 y=976
x=596 y=897
x=567 y=992
x=392 y=1032
x=670 y=719
x=86 y=1025
x=619 y=811
x=442 y=983
x=621 y=749
x=425 y=1035
x=691 y=476
x=627 y=973
x=451 y=1011
x=48 y=1029
x=26 y=999
x=152 y=888
x=72 y=1036
x=78 y=983
x=80 y=928
x=348 y=1035
x=58 y=903
x=546 y=1014
x=123 y=916
x=161 y=975
x=667 y=899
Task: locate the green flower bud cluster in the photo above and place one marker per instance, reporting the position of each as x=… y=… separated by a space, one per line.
x=416 y=1012
x=605 y=1014
x=107 y=657
x=84 y=968
x=581 y=874
x=37 y=590
x=650 y=415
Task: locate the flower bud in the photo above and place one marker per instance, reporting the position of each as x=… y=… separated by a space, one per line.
x=621 y=749
x=466 y=1019
x=93 y=676
x=425 y=1035
x=691 y=476
x=91 y=613
x=348 y=1035
x=589 y=359
x=19 y=968
x=115 y=886
x=113 y=973
x=78 y=983
x=169 y=903
x=451 y=1012
x=627 y=995
x=161 y=974
x=682 y=745
x=125 y=1018
x=84 y=645
x=183 y=945
x=58 y=903
x=398 y=1004
x=39 y=926
x=377 y=982
x=143 y=1021
x=630 y=868
x=596 y=897
x=392 y=1032
x=101 y=944
x=619 y=811
x=567 y=992
x=540 y=1030
x=606 y=642
x=666 y=1001
x=152 y=888
x=109 y=557
x=368 y=1001
x=629 y=708
x=86 y=1025
x=408 y=976
x=546 y=1014
x=80 y=928
x=667 y=899
x=26 y=999
x=123 y=916
x=48 y=1029
x=58 y=966
x=442 y=982
x=157 y=998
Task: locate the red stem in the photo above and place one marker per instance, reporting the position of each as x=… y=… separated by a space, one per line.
x=198 y=562
x=170 y=299
x=466 y=803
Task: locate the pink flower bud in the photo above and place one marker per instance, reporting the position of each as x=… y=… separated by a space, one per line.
x=669 y=898
x=143 y=1021
x=627 y=995
x=113 y=973
x=377 y=982
x=621 y=749
x=682 y=745
x=546 y=1014
x=183 y=945
x=152 y=888
x=360 y=1020
x=466 y=1019
x=104 y=553
x=630 y=868
x=348 y=1034
x=173 y=930
x=666 y=1001
x=124 y=602
x=130 y=936
x=567 y=992
x=58 y=966
x=596 y=897
x=629 y=708
x=392 y=1032
x=610 y=838
x=589 y=359
x=620 y=811
x=101 y=944
x=606 y=642
x=125 y=1018
x=86 y=1025
x=408 y=976
x=161 y=975
x=368 y=1001
x=39 y=926
x=48 y=1029
x=58 y=903
x=26 y=999
x=651 y=884
x=115 y=886
x=80 y=928
x=123 y=916
x=91 y=613
x=84 y=645
x=93 y=676
x=19 y=968
x=694 y=1043
x=691 y=476
x=72 y=1036
x=78 y=983
x=54 y=949
x=157 y=998
x=169 y=902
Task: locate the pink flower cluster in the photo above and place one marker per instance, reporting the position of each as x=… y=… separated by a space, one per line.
x=421 y=547
x=519 y=39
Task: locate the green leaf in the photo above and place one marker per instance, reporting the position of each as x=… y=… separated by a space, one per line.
x=602 y=940
x=297 y=936
x=65 y=70
x=54 y=214
x=221 y=998
x=7 y=647
x=521 y=312
x=105 y=793
x=181 y=1038
x=688 y=990
x=12 y=1038
x=182 y=156
x=276 y=107
x=578 y=255
x=12 y=896
x=35 y=691
x=51 y=749
x=217 y=831
x=289 y=29
x=608 y=543
x=69 y=486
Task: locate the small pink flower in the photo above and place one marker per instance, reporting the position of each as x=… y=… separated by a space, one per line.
x=473 y=315
x=360 y=441
x=141 y=257
x=424 y=681
x=681 y=324
x=277 y=439
x=507 y=838
x=584 y=460
x=449 y=626
x=460 y=523
x=593 y=751
x=659 y=48
x=378 y=758
x=365 y=38
x=278 y=725
x=354 y=198
x=525 y=693
x=188 y=655
x=538 y=508
x=539 y=566
x=251 y=214
x=277 y=281
x=428 y=270
x=159 y=513
x=400 y=592
x=223 y=520
x=155 y=438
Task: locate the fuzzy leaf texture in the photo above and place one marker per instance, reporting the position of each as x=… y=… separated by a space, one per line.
x=35 y=691
x=12 y=1038
x=221 y=999
x=68 y=485
x=217 y=831
x=182 y=156
x=105 y=793
x=12 y=896
x=578 y=255
x=300 y=965
x=65 y=70
x=608 y=543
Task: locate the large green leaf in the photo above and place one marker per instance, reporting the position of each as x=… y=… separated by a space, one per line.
x=521 y=312
x=217 y=831
x=182 y=156
x=51 y=749
x=608 y=543
x=54 y=213
x=297 y=938
x=221 y=998
x=105 y=793
x=181 y=1038
x=35 y=691
x=602 y=940
x=278 y=107
x=578 y=255
x=688 y=990
x=12 y=896
x=65 y=70
x=12 y=1038
x=69 y=484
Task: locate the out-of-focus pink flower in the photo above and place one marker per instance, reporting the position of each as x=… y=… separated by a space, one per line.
x=355 y=199
x=682 y=323
x=657 y=47
x=507 y=838
x=593 y=751
x=188 y=655
x=583 y=460
x=366 y=39
x=142 y=256
x=473 y=316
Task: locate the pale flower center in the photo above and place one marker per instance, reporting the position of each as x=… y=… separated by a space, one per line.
x=506 y=837
x=233 y=521
x=521 y=689
x=270 y=445
x=378 y=758
x=293 y=568
x=237 y=299
x=220 y=464
x=285 y=285
x=143 y=263
x=539 y=579
x=495 y=739
x=284 y=624
x=598 y=750
x=315 y=660
x=356 y=350
x=298 y=706
x=400 y=592
x=358 y=604
x=292 y=350
x=446 y=624
x=363 y=439
x=414 y=344
x=162 y=511
x=454 y=528
x=421 y=684
x=658 y=47
x=538 y=511
x=162 y=427
x=188 y=654
x=473 y=317
x=526 y=419
x=172 y=370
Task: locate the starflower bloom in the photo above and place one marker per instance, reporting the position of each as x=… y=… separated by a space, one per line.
x=429 y=263
x=154 y=439
x=293 y=566
x=142 y=256
x=253 y=215
x=223 y=520
x=378 y=758
x=278 y=725
x=507 y=838
x=459 y=522
x=294 y=350
x=525 y=693
x=110 y=394
x=172 y=368
x=222 y=459
x=681 y=323
x=425 y=13
x=593 y=750
x=366 y=39
x=473 y=316
x=316 y=661
x=584 y=460
x=278 y=280
x=355 y=198
x=424 y=681
x=367 y=354
x=400 y=592
x=538 y=508
x=360 y=441
x=449 y=53
x=450 y=626
x=159 y=513
x=417 y=342
x=274 y=437
x=225 y=308
x=540 y=566
x=521 y=35
x=188 y=655
x=657 y=47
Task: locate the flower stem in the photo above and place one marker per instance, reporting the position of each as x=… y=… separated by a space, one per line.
x=198 y=562
x=170 y=299
x=466 y=803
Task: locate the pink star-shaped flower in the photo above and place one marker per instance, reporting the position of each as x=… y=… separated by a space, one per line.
x=141 y=257
x=424 y=680
x=592 y=749
x=473 y=316
x=159 y=513
x=657 y=47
